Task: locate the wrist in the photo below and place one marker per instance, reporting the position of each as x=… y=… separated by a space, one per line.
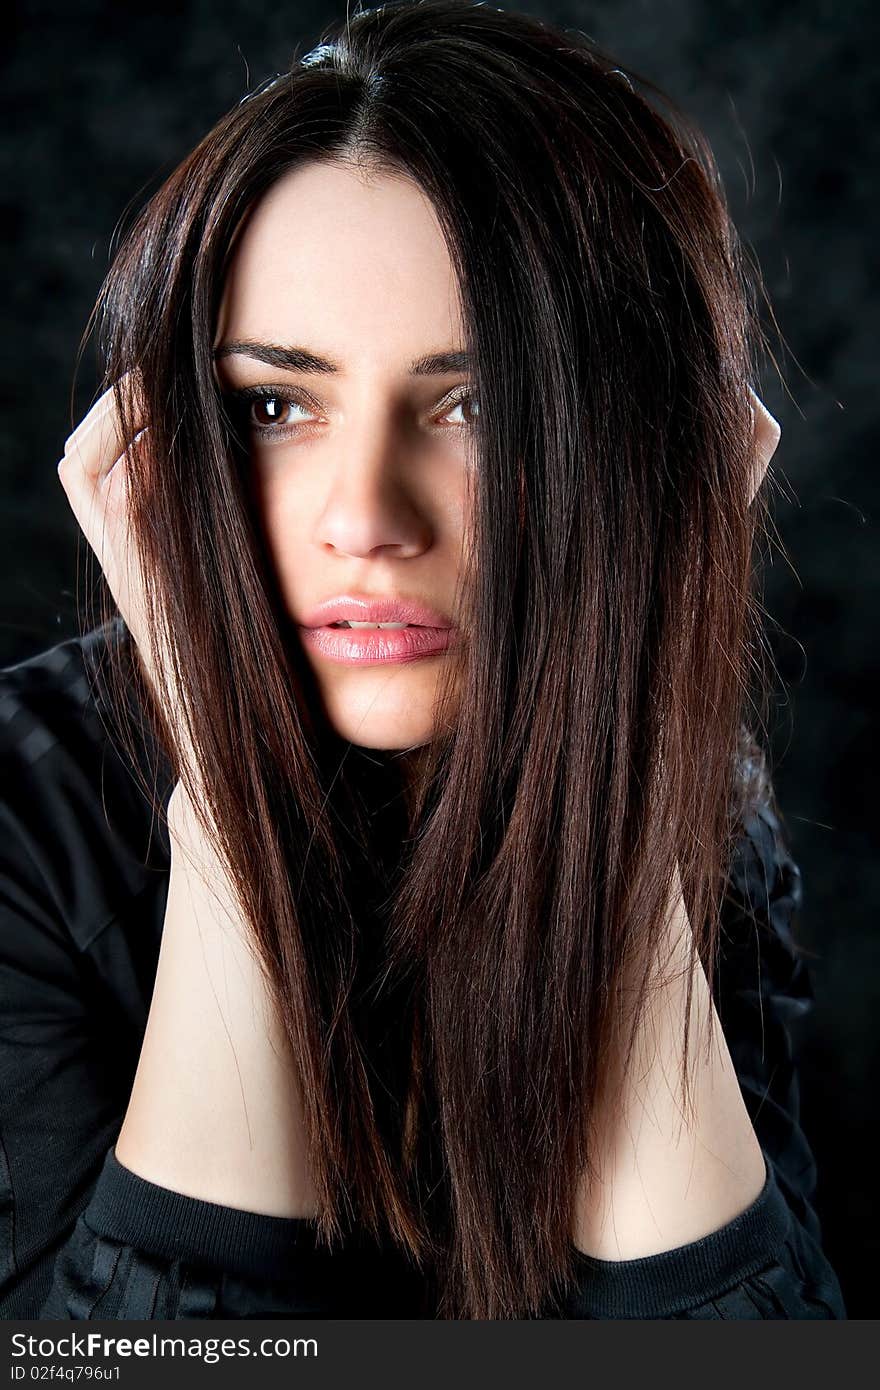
x=181 y=815
x=197 y=865
x=188 y=838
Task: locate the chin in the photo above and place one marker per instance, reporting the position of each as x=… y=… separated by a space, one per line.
x=381 y=724
x=384 y=709
x=387 y=745
x=380 y=736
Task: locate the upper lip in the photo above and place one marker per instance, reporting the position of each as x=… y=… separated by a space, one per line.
x=364 y=608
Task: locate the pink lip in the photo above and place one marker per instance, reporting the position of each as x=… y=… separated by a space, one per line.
x=368 y=609
x=432 y=632
x=375 y=646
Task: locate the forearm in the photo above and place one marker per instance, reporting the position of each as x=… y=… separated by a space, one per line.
x=215 y=1109
x=668 y=1177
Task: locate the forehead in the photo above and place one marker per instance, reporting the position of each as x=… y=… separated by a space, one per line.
x=339 y=259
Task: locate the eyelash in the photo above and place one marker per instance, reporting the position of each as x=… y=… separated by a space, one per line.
x=243 y=397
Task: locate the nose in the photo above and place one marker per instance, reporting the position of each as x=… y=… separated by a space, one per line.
x=368 y=507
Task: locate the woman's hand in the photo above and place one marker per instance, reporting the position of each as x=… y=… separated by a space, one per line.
x=94 y=475
x=766 y=433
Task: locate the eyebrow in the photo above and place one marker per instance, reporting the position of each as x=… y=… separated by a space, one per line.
x=300 y=359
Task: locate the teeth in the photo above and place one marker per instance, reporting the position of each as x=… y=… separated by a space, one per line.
x=347 y=623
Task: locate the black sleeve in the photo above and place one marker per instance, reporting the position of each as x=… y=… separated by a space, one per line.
x=60 y=1088
x=143 y=1251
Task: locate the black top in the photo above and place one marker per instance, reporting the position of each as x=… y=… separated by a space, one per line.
x=83 y=887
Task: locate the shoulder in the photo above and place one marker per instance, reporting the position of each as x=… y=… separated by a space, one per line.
x=52 y=697
x=763 y=900
x=765 y=877
x=77 y=829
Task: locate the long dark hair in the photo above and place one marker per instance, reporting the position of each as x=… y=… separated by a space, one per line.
x=448 y=961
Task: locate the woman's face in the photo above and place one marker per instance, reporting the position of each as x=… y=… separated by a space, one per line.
x=359 y=461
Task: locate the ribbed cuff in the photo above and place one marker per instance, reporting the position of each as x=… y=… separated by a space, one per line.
x=158 y=1221
x=659 y=1286
x=128 y=1208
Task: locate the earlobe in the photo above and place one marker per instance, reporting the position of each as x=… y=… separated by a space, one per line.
x=766 y=433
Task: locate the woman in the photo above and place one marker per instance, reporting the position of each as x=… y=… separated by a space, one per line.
x=447 y=327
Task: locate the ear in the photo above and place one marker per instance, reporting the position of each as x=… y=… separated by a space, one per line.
x=766 y=432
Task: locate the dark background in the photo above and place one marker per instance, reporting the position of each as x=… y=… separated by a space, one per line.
x=100 y=102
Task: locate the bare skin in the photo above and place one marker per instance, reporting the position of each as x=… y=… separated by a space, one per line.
x=365 y=492
x=214 y=1110
x=667 y=1180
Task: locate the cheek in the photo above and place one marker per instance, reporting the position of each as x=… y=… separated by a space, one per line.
x=463 y=527
x=281 y=517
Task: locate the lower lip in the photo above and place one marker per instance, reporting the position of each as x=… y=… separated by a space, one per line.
x=377 y=646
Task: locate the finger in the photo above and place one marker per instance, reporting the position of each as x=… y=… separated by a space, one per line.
x=86 y=422
x=99 y=502
x=93 y=450
x=767 y=430
x=98 y=442
x=129 y=381
x=766 y=433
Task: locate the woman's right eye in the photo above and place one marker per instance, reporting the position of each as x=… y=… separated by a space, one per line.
x=273 y=409
x=268 y=412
